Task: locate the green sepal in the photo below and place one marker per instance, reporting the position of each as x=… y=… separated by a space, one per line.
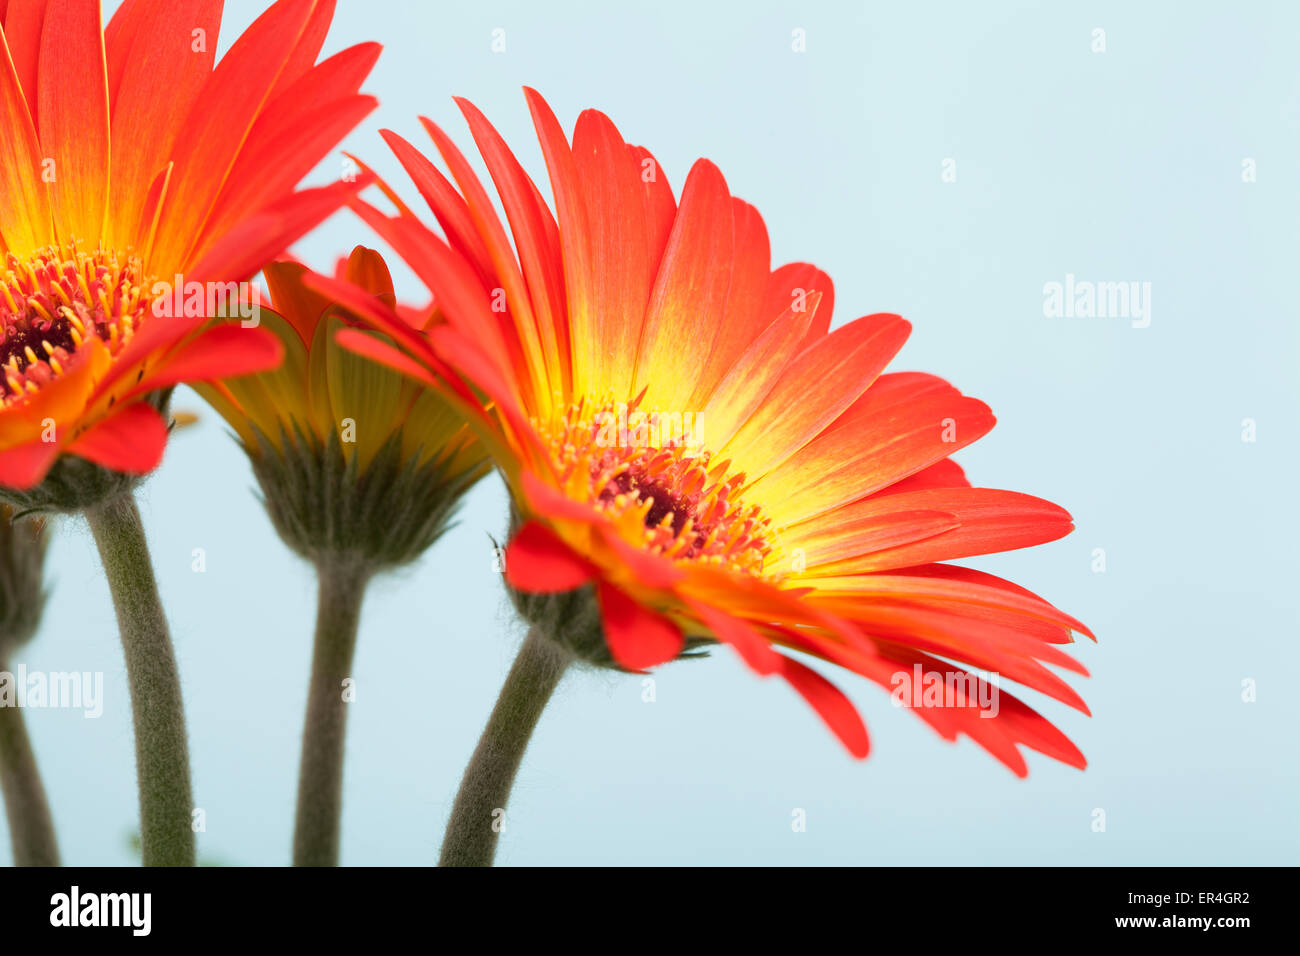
x=326 y=508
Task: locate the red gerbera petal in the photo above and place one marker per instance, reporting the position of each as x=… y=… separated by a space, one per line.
x=638 y=638
x=537 y=560
x=131 y=440
x=829 y=702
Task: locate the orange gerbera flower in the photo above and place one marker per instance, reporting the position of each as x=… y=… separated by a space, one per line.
x=136 y=172
x=686 y=439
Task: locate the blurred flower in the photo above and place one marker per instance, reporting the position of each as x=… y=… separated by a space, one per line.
x=22 y=599
x=22 y=591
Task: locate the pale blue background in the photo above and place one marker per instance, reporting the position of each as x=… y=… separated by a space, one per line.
x=1115 y=166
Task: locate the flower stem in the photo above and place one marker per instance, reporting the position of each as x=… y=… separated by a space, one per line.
x=475 y=824
x=31 y=828
x=341 y=589
x=161 y=754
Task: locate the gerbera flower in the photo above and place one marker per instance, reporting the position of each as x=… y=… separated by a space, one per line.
x=199 y=188
x=142 y=184
x=354 y=458
x=360 y=469
x=802 y=501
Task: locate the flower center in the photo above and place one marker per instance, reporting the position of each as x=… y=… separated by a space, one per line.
x=56 y=299
x=664 y=493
